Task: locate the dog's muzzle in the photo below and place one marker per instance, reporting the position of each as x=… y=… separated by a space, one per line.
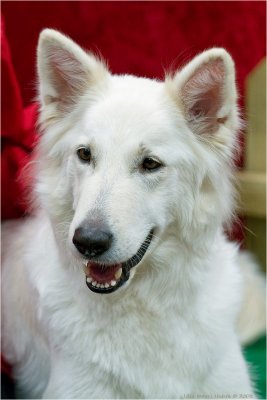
x=108 y=278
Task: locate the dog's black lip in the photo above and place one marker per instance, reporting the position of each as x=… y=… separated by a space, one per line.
x=126 y=267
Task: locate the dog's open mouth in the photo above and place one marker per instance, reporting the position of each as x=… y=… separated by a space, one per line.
x=108 y=278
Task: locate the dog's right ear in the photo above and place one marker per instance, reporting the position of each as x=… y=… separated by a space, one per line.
x=65 y=72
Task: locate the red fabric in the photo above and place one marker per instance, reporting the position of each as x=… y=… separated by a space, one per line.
x=18 y=134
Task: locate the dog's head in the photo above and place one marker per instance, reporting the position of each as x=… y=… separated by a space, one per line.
x=124 y=160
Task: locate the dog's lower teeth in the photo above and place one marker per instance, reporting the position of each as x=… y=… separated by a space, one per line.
x=106 y=285
x=118 y=273
x=100 y=285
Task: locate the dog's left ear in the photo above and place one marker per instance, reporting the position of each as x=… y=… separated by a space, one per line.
x=206 y=92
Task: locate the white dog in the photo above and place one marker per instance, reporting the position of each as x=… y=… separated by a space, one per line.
x=123 y=284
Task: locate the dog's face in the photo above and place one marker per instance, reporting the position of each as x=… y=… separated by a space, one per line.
x=122 y=159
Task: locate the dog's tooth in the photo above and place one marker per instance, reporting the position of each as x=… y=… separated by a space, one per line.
x=113 y=283
x=89 y=279
x=102 y=286
x=98 y=285
x=106 y=285
x=118 y=273
x=94 y=283
x=86 y=270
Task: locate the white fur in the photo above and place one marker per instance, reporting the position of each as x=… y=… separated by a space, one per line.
x=170 y=330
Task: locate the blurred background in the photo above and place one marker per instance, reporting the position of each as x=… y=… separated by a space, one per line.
x=145 y=39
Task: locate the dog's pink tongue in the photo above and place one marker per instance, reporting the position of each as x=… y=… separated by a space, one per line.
x=101 y=273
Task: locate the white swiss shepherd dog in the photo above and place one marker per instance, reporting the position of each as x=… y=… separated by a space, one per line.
x=123 y=284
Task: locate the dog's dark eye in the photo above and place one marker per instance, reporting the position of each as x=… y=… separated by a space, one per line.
x=149 y=164
x=84 y=154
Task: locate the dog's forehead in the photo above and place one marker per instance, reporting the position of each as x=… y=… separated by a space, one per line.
x=128 y=98
x=131 y=109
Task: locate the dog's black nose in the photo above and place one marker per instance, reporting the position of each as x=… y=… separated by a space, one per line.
x=91 y=241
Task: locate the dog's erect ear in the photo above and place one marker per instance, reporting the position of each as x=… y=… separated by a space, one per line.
x=206 y=92
x=65 y=70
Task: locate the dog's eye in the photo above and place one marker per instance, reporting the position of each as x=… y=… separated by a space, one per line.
x=84 y=154
x=149 y=164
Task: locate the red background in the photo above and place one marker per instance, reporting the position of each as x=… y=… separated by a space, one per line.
x=141 y=38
